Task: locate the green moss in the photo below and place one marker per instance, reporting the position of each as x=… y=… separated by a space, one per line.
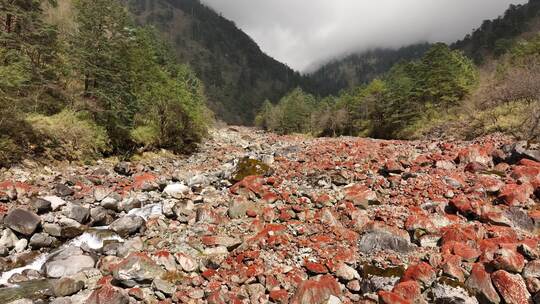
x=250 y=167
x=389 y=272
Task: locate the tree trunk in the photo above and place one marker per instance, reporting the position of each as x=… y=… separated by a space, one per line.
x=9 y=20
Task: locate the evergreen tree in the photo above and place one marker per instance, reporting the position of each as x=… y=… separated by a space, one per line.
x=101 y=46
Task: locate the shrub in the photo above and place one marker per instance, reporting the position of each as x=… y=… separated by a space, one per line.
x=173 y=112
x=10 y=152
x=70 y=135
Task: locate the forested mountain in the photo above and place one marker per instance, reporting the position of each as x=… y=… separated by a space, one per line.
x=237 y=75
x=357 y=69
x=488 y=82
x=496 y=37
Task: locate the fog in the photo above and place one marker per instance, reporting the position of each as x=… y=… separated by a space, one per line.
x=303 y=33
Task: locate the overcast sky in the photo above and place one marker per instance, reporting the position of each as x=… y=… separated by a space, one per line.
x=302 y=33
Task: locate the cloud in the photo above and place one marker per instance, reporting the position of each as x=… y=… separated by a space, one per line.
x=303 y=32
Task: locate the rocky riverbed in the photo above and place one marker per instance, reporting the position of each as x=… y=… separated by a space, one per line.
x=254 y=217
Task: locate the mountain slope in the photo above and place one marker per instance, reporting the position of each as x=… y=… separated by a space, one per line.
x=238 y=76
x=495 y=37
x=361 y=68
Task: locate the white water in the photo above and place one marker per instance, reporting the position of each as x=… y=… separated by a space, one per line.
x=147 y=211
x=93 y=239
x=35 y=265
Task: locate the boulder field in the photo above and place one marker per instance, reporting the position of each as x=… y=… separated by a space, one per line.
x=253 y=217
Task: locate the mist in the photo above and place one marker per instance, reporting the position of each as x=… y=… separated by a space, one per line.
x=305 y=33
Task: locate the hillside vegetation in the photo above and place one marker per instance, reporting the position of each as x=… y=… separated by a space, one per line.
x=89 y=83
x=443 y=93
x=237 y=75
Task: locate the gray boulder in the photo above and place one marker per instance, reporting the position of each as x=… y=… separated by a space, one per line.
x=127 y=225
x=22 y=221
x=377 y=240
x=68 y=262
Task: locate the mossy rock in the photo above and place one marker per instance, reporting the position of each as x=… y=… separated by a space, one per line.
x=250 y=167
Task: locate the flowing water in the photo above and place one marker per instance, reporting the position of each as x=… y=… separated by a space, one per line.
x=93 y=238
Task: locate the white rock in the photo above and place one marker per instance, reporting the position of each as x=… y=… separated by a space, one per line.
x=333 y=300
x=55 y=201
x=346 y=272
x=176 y=190
x=8 y=239
x=187 y=263
x=20 y=245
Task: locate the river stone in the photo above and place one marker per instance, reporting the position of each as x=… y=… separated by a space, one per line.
x=55 y=201
x=63 y=190
x=41 y=240
x=20 y=245
x=41 y=205
x=163 y=286
x=52 y=229
x=22 y=221
x=68 y=262
x=123 y=168
x=137 y=268
x=377 y=240
x=8 y=239
x=176 y=190
x=127 y=225
x=70 y=228
x=442 y=293
x=76 y=212
x=66 y=287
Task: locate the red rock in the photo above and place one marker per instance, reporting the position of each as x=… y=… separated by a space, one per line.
x=145 y=181
x=423 y=273
x=479 y=282
x=467 y=207
x=475 y=153
x=474 y=167
x=514 y=194
x=409 y=290
x=269 y=198
x=526 y=174
x=461 y=249
x=459 y=234
x=511 y=287
x=316 y=268
x=279 y=296
x=490 y=184
x=207 y=274
x=254 y=184
x=452 y=267
x=316 y=291
x=386 y=297
x=419 y=221
x=359 y=195
x=508 y=259
x=107 y=294
x=393 y=166
x=137 y=293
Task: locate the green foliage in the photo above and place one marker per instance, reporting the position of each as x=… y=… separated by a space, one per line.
x=495 y=37
x=101 y=46
x=9 y=151
x=291 y=115
x=70 y=135
x=173 y=113
x=394 y=106
x=359 y=69
x=143 y=97
x=238 y=76
x=121 y=75
x=445 y=76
